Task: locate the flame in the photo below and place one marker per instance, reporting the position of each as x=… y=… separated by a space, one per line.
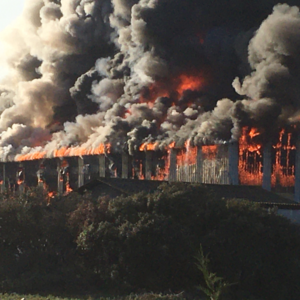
x=80 y=151
x=188 y=82
x=251 y=160
x=65 y=152
x=19 y=182
x=179 y=84
x=210 y=152
x=172 y=145
x=148 y=146
x=51 y=194
x=141 y=174
x=187 y=155
x=31 y=156
x=64 y=164
x=68 y=188
x=253 y=133
x=283 y=171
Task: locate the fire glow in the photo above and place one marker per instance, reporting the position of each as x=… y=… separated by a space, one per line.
x=66 y=152
x=180 y=84
x=251 y=159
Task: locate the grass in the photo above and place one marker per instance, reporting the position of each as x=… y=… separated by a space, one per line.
x=130 y=297
x=34 y=297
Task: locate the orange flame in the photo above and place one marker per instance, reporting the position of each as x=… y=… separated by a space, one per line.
x=210 y=152
x=187 y=155
x=149 y=146
x=172 y=145
x=66 y=151
x=68 y=188
x=51 y=194
x=180 y=84
x=188 y=82
x=31 y=156
x=251 y=160
x=283 y=173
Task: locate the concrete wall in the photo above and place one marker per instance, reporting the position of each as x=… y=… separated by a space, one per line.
x=293 y=215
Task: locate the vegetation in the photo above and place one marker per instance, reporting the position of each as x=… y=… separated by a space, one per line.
x=77 y=245
x=214 y=286
x=149 y=296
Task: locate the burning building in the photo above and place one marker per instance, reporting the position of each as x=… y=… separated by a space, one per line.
x=151 y=89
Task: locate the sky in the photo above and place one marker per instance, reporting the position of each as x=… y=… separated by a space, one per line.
x=9 y=11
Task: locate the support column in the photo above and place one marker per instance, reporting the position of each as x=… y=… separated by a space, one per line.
x=173 y=165
x=80 y=171
x=60 y=178
x=148 y=165
x=199 y=165
x=233 y=157
x=40 y=176
x=3 y=183
x=125 y=165
x=267 y=166
x=297 y=170
x=20 y=178
x=102 y=165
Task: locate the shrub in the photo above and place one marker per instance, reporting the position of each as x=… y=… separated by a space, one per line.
x=148 y=241
x=37 y=249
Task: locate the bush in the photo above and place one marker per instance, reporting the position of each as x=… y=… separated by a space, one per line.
x=37 y=248
x=149 y=241
x=146 y=242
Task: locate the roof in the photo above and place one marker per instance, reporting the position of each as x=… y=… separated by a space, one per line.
x=253 y=194
x=119 y=186
x=122 y=186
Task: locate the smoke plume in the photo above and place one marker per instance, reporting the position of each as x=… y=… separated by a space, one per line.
x=125 y=72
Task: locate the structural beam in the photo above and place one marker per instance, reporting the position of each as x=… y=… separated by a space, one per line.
x=199 y=164
x=102 y=165
x=267 y=166
x=125 y=165
x=233 y=157
x=60 y=178
x=297 y=170
x=148 y=164
x=80 y=171
x=173 y=165
x=3 y=183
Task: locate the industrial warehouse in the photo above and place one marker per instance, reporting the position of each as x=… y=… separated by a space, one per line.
x=209 y=104
x=245 y=162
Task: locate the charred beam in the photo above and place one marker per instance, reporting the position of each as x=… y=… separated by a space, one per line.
x=297 y=170
x=173 y=165
x=80 y=171
x=233 y=156
x=125 y=165
x=102 y=165
x=199 y=164
x=148 y=164
x=267 y=166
